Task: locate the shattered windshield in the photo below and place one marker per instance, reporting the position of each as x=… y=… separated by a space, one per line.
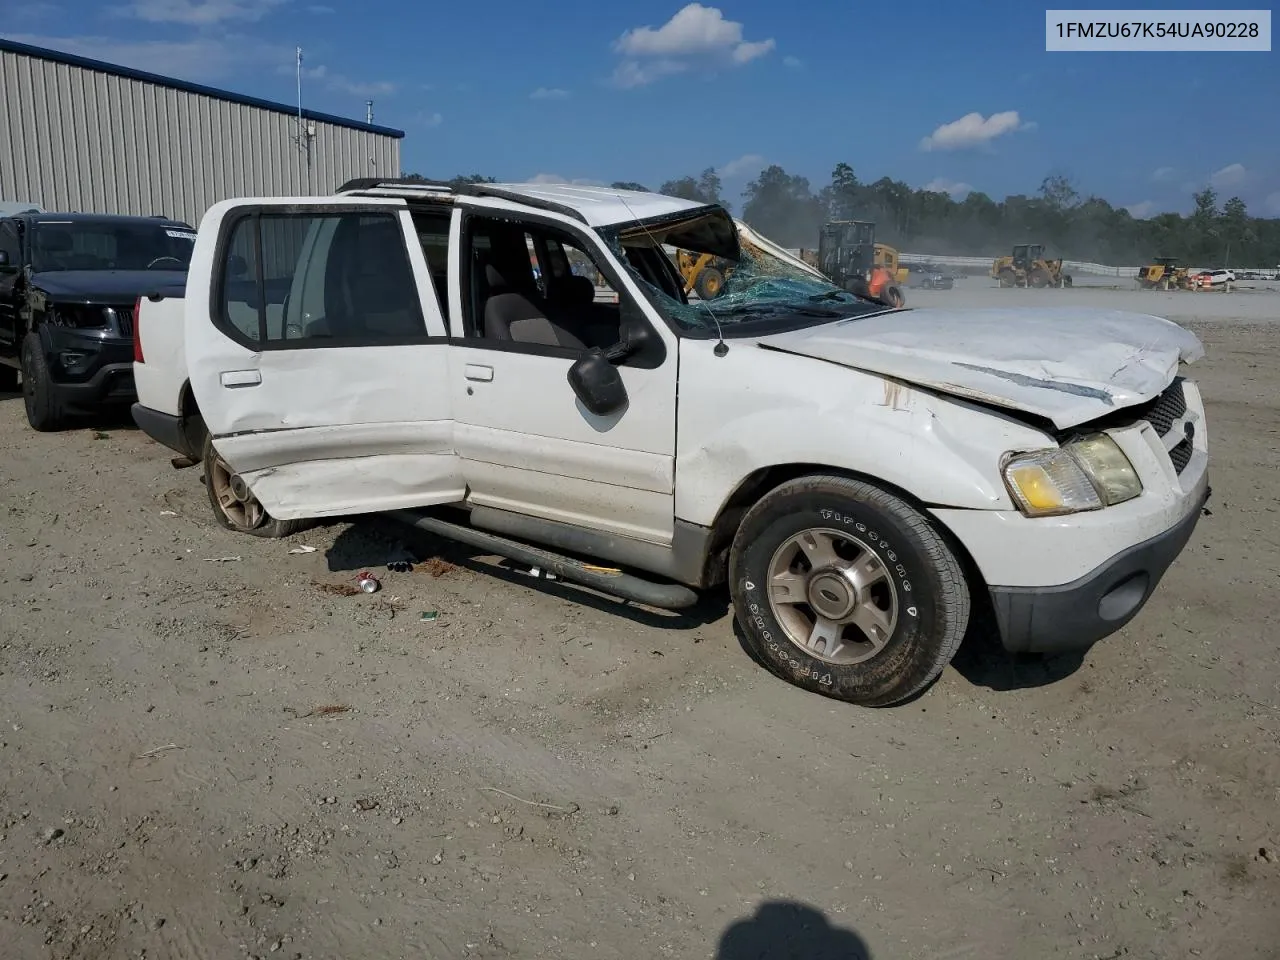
x=721 y=292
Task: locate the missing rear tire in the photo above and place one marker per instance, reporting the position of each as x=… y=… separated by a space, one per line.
x=234 y=506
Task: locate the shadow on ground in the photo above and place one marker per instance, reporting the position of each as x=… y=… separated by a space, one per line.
x=985 y=663
x=981 y=660
x=371 y=543
x=785 y=930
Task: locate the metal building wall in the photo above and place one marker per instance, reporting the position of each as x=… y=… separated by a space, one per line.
x=74 y=139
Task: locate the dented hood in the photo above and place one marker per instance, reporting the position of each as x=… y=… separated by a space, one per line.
x=1068 y=365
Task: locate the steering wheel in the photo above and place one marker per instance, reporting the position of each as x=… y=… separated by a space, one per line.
x=162 y=260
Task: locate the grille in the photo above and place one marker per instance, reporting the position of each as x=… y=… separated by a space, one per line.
x=1181 y=455
x=1167 y=408
x=124 y=319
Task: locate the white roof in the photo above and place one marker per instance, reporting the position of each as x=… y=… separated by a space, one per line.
x=602 y=206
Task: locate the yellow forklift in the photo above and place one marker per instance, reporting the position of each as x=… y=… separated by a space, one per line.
x=1029 y=268
x=1163 y=273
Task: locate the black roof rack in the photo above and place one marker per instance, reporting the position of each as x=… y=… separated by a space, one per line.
x=369 y=184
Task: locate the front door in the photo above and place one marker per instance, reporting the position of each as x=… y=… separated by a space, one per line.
x=318 y=355
x=529 y=294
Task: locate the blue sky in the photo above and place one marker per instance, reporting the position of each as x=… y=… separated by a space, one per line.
x=946 y=93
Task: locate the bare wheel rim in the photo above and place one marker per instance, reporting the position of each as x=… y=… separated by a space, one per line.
x=833 y=596
x=234 y=499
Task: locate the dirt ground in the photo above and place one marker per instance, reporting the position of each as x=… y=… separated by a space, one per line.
x=228 y=759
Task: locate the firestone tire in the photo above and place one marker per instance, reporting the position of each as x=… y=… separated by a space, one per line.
x=245 y=514
x=885 y=541
x=39 y=393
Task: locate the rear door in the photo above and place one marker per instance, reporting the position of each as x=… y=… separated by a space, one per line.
x=319 y=357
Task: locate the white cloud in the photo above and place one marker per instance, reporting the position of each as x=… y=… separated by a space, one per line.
x=1231 y=175
x=750 y=163
x=361 y=88
x=632 y=74
x=425 y=119
x=951 y=187
x=746 y=52
x=548 y=93
x=972 y=130
x=340 y=84
x=204 y=59
x=795 y=63
x=695 y=36
x=196 y=12
x=1143 y=210
x=1163 y=174
x=320 y=9
x=555 y=178
x=1272 y=204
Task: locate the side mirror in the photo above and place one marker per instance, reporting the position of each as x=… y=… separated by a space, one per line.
x=597 y=384
x=237 y=266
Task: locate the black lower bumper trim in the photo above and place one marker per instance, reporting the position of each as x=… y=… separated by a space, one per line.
x=110 y=385
x=1075 y=616
x=163 y=428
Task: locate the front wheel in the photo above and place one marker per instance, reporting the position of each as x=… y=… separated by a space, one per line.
x=39 y=392
x=234 y=506
x=846 y=590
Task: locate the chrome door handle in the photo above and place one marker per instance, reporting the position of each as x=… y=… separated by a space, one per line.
x=479 y=371
x=240 y=378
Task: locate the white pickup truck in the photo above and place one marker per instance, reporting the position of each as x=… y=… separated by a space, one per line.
x=869 y=482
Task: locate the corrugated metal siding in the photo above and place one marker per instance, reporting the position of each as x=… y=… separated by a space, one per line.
x=73 y=139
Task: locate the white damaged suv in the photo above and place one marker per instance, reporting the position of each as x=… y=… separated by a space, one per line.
x=520 y=367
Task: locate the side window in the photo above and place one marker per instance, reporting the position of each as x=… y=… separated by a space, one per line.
x=432 y=228
x=9 y=243
x=312 y=280
x=528 y=283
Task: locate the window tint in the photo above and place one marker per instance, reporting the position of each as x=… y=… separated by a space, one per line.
x=433 y=235
x=532 y=284
x=87 y=244
x=9 y=242
x=316 y=280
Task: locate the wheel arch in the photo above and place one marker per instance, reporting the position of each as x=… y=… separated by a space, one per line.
x=762 y=480
x=193 y=427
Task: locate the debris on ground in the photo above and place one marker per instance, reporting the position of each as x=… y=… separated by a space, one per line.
x=303 y=549
x=337 y=589
x=328 y=710
x=437 y=567
x=223 y=559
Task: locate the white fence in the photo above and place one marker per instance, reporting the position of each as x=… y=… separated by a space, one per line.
x=983 y=264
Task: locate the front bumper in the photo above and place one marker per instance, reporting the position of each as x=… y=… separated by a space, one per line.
x=1075 y=616
x=89 y=368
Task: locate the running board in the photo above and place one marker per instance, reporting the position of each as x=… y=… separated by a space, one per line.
x=668 y=596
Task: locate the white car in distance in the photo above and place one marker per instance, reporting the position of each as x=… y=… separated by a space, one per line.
x=870 y=483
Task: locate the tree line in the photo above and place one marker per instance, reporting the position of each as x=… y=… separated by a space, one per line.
x=786 y=208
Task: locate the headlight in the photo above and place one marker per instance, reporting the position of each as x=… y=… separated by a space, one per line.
x=1087 y=474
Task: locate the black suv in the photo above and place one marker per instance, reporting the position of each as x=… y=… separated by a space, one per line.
x=68 y=286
